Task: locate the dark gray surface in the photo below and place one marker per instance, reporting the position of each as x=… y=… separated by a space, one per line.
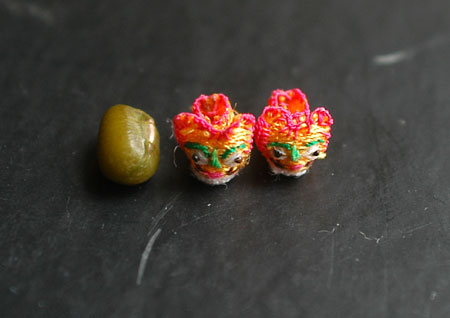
x=365 y=234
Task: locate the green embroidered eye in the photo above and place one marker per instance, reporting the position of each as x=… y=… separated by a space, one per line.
x=312 y=143
x=277 y=153
x=198 y=157
x=231 y=150
x=238 y=159
x=195 y=145
x=279 y=144
x=295 y=155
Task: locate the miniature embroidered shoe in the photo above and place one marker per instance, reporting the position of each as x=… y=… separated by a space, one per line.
x=216 y=138
x=289 y=136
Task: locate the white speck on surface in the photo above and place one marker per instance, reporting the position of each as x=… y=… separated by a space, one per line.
x=14 y=290
x=433 y=295
x=295 y=70
x=209 y=204
x=402 y=122
x=145 y=255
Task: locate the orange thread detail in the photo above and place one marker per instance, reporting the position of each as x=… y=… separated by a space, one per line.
x=287 y=120
x=215 y=125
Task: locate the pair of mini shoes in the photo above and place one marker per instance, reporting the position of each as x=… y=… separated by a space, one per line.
x=218 y=140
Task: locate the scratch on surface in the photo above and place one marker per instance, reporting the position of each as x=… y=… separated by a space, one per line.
x=163 y=212
x=33 y=10
x=331 y=270
x=393 y=58
x=417 y=228
x=327 y=231
x=333 y=243
x=405 y=54
x=145 y=255
x=170 y=122
x=435 y=197
x=376 y=239
x=194 y=220
x=67 y=207
x=385 y=285
x=174 y=156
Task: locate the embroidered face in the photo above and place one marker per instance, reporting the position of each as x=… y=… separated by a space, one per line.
x=289 y=136
x=216 y=139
